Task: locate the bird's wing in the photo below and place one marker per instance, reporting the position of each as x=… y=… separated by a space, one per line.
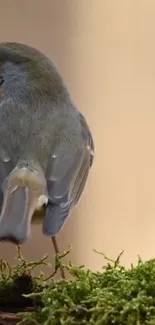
x=88 y=136
x=66 y=182
x=5 y=169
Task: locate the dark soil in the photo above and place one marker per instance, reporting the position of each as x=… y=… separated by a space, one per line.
x=12 y=301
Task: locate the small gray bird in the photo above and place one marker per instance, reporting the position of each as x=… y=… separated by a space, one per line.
x=46 y=147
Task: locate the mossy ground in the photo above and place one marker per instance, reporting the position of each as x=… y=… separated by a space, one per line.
x=115 y=296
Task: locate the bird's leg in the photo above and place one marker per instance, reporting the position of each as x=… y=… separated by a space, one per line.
x=19 y=254
x=55 y=245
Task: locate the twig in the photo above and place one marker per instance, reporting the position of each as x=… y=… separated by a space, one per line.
x=115 y=262
x=9 y=318
x=58 y=264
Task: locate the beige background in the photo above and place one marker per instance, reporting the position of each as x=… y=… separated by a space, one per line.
x=105 y=51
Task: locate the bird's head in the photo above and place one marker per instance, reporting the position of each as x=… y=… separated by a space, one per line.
x=26 y=73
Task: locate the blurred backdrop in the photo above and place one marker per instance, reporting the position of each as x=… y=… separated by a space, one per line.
x=105 y=51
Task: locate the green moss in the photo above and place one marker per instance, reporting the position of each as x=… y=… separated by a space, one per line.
x=115 y=296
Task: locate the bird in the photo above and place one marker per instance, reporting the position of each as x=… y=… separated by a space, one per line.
x=46 y=145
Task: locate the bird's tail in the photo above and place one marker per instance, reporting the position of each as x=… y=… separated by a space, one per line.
x=24 y=192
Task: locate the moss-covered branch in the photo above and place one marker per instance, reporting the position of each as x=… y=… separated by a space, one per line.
x=115 y=296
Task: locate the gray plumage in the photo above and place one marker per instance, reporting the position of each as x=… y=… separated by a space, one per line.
x=46 y=147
